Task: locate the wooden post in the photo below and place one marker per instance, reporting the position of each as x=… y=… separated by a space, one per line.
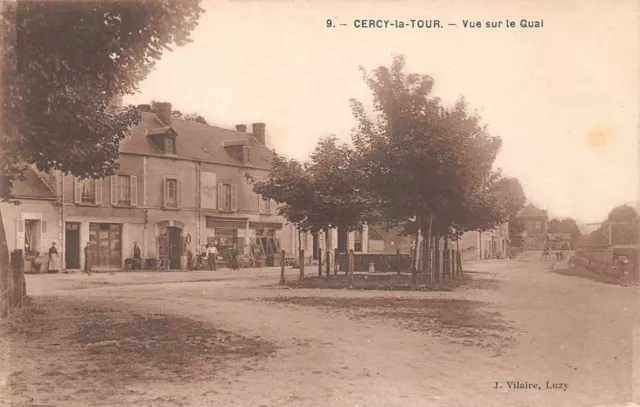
x=444 y=264
x=351 y=266
x=301 y=260
x=452 y=263
x=398 y=261
x=319 y=262
x=459 y=262
x=282 y=260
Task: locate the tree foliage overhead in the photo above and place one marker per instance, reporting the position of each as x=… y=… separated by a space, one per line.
x=64 y=63
x=422 y=159
x=195 y=117
x=565 y=225
x=325 y=192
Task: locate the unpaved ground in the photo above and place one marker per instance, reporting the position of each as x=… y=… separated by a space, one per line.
x=107 y=337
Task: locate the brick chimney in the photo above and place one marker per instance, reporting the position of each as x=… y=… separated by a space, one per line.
x=163 y=111
x=241 y=127
x=259 y=132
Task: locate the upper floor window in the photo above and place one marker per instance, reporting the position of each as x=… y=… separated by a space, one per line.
x=246 y=154
x=169 y=145
x=538 y=225
x=266 y=205
x=88 y=191
x=124 y=190
x=171 y=193
x=227 y=197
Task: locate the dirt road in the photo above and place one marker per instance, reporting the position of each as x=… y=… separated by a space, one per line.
x=237 y=339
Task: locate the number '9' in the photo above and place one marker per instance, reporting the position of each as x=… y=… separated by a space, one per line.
x=329 y=23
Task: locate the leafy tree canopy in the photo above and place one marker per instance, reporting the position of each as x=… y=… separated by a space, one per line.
x=64 y=63
x=422 y=159
x=325 y=192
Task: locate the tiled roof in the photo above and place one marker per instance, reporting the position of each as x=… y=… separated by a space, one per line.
x=195 y=141
x=374 y=234
x=532 y=210
x=31 y=187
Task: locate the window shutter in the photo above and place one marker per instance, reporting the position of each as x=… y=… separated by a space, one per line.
x=260 y=204
x=20 y=234
x=220 y=197
x=114 y=190
x=163 y=192
x=43 y=226
x=78 y=191
x=134 y=190
x=234 y=197
x=98 y=191
x=273 y=206
x=179 y=192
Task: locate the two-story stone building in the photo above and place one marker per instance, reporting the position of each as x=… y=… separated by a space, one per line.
x=180 y=184
x=535 y=221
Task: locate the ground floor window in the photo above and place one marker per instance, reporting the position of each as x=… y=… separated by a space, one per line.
x=106 y=244
x=266 y=242
x=31 y=237
x=357 y=241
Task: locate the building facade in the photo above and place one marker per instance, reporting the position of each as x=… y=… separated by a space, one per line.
x=535 y=223
x=180 y=185
x=484 y=245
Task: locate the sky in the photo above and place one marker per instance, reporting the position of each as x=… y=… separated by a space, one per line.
x=564 y=98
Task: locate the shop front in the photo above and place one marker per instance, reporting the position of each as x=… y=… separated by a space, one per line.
x=106 y=245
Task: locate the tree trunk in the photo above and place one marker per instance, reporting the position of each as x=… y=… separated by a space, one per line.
x=414 y=272
x=445 y=258
x=427 y=262
x=436 y=258
x=351 y=267
x=327 y=252
x=301 y=260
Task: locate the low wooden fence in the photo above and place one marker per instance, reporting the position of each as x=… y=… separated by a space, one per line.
x=383 y=262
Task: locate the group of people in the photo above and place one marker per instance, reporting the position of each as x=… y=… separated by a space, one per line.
x=209 y=256
x=53 y=265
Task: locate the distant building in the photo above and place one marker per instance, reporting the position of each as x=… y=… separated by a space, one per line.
x=535 y=223
x=484 y=245
x=559 y=241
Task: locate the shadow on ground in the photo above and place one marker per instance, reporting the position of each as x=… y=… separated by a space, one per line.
x=464 y=322
x=98 y=348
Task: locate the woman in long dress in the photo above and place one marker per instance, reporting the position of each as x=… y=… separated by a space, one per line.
x=54 y=259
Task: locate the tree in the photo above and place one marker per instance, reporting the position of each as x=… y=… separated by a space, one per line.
x=324 y=193
x=195 y=117
x=565 y=225
x=67 y=62
x=516 y=229
x=425 y=162
x=623 y=221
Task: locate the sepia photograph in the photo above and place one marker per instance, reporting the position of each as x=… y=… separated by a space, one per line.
x=341 y=203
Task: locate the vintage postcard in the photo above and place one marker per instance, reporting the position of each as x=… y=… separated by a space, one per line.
x=319 y=203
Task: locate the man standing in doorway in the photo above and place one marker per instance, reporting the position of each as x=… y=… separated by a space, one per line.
x=87 y=258
x=212 y=256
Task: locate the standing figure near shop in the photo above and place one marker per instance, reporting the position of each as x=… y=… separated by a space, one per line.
x=54 y=259
x=233 y=258
x=87 y=259
x=137 y=256
x=212 y=256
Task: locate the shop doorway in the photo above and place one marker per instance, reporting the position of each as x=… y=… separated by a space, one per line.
x=72 y=246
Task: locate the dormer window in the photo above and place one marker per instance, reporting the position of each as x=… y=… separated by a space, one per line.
x=169 y=145
x=246 y=154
